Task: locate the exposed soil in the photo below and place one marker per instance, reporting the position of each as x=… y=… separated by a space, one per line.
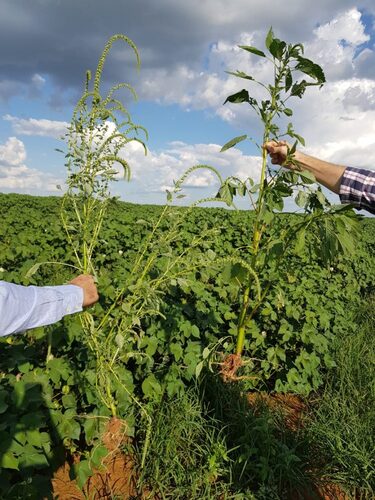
x=115 y=478
x=291 y=406
x=293 y=409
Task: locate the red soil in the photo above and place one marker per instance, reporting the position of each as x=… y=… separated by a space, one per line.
x=115 y=477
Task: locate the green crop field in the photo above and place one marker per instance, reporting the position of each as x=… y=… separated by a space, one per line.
x=231 y=353
x=49 y=403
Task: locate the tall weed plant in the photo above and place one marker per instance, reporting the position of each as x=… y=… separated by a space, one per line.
x=324 y=229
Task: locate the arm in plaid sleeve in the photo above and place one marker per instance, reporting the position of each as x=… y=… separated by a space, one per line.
x=358 y=188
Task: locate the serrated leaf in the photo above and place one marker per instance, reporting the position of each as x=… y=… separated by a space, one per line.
x=119 y=340
x=233 y=142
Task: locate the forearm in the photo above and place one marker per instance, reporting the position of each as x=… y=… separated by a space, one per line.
x=22 y=308
x=328 y=174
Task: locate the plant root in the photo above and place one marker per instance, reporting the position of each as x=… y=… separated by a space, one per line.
x=230 y=366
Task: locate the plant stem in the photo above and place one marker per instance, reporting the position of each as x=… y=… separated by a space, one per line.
x=257 y=234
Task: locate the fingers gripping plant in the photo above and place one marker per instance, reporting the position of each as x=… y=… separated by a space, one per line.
x=96 y=138
x=100 y=129
x=331 y=226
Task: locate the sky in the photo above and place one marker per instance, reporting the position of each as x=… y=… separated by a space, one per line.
x=186 y=49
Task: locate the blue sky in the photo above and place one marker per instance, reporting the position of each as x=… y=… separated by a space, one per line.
x=185 y=47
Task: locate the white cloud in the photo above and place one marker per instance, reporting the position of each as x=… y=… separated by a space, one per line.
x=38 y=81
x=338 y=122
x=157 y=171
x=335 y=44
x=13 y=152
x=16 y=176
x=346 y=26
x=41 y=127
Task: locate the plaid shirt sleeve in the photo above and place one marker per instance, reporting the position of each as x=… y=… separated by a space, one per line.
x=358 y=188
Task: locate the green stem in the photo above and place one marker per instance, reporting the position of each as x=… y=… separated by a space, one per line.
x=257 y=235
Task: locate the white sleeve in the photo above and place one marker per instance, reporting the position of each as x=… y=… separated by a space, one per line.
x=24 y=307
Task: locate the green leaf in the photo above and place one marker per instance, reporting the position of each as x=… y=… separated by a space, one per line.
x=206 y=352
x=311 y=69
x=233 y=142
x=288 y=80
x=307 y=176
x=82 y=472
x=8 y=461
x=301 y=199
x=198 y=369
x=69 y=401
x=69 y=428
x=32 y=457
x=195 y=332
x=226 y=194
x=176 y=350
x=288 y=111
x=277 y=48
x=91 y=427
x=240 y=74
x=151 y=387
x=32 y=270
x=269 y=38
x=253 y=50
x=300 y=139
x=299 y=88
x=300 y=242
x=34 y=437
x=238 y=97
x=19 y=392
x=97 y=455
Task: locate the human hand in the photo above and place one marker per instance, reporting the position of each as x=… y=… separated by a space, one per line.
x=278 y=151
x=90 y=292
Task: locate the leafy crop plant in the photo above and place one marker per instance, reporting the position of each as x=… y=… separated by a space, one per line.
x=325 y=229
